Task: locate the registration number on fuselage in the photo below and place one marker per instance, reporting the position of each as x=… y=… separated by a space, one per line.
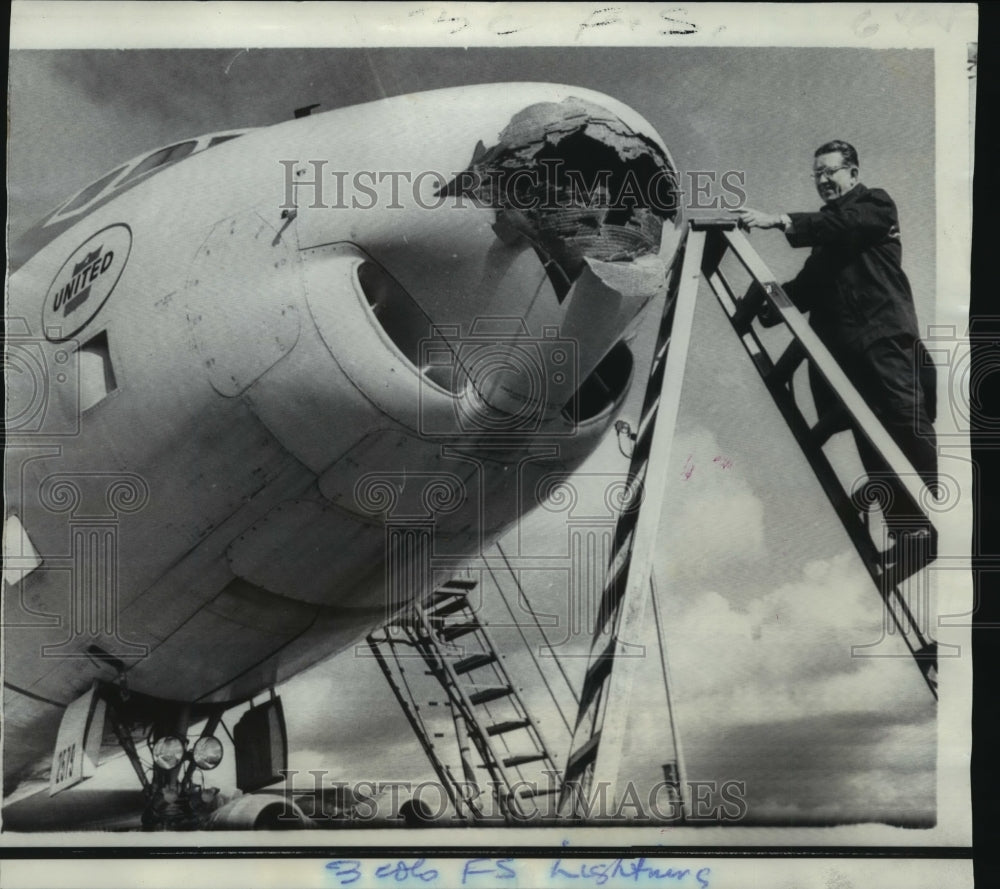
x=78 y=742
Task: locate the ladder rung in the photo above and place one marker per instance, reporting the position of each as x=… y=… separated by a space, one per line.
x=490 y=694
x=456 y=586
x=833 y=421
x=894 y=573
x=926 y=658
x=522 y=759
x=537 y=791
x=509 y=726
x=746 y=311
x=474 y=661
x=453 y=631
x=907 y=556
x=450 y=607
x=786 y=364
x=443 y=594
x=762 y=362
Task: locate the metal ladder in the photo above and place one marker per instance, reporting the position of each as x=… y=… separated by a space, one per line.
x=888 y=569
x=452 y=651
x=605 y=695
x=596 y=749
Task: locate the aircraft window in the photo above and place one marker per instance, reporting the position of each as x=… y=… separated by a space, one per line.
x=97 y=376
x=90 y=192
x=159 y=158
x=20 y=557
x=218 y=140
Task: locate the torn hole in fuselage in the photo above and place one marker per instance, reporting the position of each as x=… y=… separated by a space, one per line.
x=576 y=183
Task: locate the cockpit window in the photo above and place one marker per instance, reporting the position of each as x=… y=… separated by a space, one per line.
x=20 y=557
x=159 y=158
x=90 y=192
x=218 y=140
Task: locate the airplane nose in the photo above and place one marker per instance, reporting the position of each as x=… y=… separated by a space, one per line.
x=512 y=280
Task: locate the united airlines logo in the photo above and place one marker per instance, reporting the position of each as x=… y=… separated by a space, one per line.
x=85 y=281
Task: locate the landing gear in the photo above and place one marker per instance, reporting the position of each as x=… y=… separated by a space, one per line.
x=177 y=797
x=181 y=808
x=176 y=800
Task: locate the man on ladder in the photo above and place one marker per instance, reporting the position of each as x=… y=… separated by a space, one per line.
x=861 y=307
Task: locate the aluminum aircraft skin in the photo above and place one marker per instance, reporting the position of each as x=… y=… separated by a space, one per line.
x=249 y=357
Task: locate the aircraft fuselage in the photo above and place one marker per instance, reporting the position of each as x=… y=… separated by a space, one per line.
x=261 y=407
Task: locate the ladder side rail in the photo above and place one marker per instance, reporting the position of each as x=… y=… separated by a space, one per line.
x=783 y=396
x=826 y=365
x=604 y=745
x=660 y=351
x=526 y=604
x=855 y=528
x=592 y=701
x=785 y=401
x=668 y=685
x=492 y=761
x=468 y=770
x=644 y=542
x=639 y=459
x=741 y=313
x=410 y=709
x=463 y=714
x=821 y=466
x=589 y=702
x=619 y=558
x=429 y=659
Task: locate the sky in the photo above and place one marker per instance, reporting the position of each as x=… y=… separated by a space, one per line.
x=762 y=596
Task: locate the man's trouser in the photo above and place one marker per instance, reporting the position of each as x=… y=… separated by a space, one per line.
x=897 y=380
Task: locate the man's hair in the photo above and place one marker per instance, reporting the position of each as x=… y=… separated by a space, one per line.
x=848 y=151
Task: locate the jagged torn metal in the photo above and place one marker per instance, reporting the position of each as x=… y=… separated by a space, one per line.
x=581 y=186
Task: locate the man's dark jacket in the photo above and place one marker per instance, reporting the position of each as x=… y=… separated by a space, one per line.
x=860 y=305
x=853 y=284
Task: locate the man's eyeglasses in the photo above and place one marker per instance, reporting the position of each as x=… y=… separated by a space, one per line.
x=828 y=171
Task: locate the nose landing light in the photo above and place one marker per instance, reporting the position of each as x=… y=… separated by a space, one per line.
x=207 y=752
x=168 y=752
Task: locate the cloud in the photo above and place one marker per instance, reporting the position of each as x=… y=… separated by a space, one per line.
x=768 y=693
x=791 y=649
x=338 y=706
x=712 y=522
x=831 y=769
